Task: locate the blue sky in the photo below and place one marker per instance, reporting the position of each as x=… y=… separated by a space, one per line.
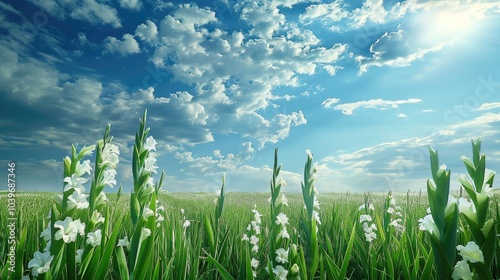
x=366 y=86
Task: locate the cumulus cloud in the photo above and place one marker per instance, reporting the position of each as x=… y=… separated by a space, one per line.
x=371 y=11
x=128 y=45
x=348 y=108
x=331 y=12
x=147 y=31
x=131 y=4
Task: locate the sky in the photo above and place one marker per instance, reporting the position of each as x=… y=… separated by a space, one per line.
x=366 y=86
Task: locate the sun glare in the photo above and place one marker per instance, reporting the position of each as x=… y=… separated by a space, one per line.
x=449 y=23
x=445 y=25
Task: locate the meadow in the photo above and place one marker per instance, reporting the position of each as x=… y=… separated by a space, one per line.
x=152 y=234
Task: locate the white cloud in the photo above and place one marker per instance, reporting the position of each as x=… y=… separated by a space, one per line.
x=128 y=45
x=488 y=106
x=348 y=108
x=131 y=4
x=331 y=12
x=85 y=10
x=265 y=20
x=332 y=70
x=329 y=102
x=371 y=11
x=431 y=27
x=404 y=164
x=403 y=116
x=9 y=8
x=147 y=32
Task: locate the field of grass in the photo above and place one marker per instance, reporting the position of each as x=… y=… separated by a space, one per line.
x=152 y=234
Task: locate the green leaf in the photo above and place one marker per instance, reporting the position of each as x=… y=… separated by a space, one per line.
x=121 y=261
x=426 y=272
x=222 y=271
x=482 y=271
x=347 y=256
x=105 y=260
x=248 y=270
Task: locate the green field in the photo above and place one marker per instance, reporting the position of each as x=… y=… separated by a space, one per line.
x=408 y=251
x=151 y=234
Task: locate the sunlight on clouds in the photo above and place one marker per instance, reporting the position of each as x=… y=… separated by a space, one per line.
x=348 y=108
x=488 y=106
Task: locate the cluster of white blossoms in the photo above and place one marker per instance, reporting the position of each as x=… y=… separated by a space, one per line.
x=254 y=230
x=74 y=198
x=396 y=215
x=365 y=220
x=471 y=253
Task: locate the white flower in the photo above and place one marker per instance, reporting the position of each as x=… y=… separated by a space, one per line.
x=78 y=199
x=40 y=263
x=245 y=237
x=254 y=240
x=74 y=182
x=283 y=233
x=365 y=218
x=94 y=238
x=46 y=232
x=466 y=207
x=316 y=202
x=281 y=219
x=150 y=164
x=315 y=215
x=427 y=224
x=462 y=271
x=146 y=213
x=79 y=254
x=280 y=272
x=81 y=169
x=282 y=255
x=110 y=155
x=257 y=216
x=395 y=223
x=186 y=224
x=102 y=198
x=97 y=218
x=108 y=177
x=370 y=236
x=68 y=229
x=295 y=268
x=255 y=248
x=254 y=263
x=390 y=210
x=146 y=232
x=392 y=201
x=150 y=144
x=363 y=206
x=284 y=200
x=471 y=252
x=123 y=242
x=256 y=227
x=282 y=183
